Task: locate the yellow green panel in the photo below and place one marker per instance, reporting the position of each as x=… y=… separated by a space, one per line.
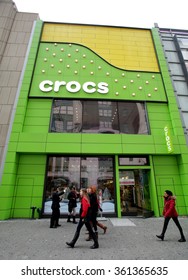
x=74 y=66
x=127 y=48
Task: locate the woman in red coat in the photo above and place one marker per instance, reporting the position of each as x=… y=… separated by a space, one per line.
x=170 y=212
x=85 y=218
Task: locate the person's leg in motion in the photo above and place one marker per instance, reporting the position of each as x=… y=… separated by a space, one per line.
x=176 y=221
x=93 y=235
x=76 y=235
x=165 y=225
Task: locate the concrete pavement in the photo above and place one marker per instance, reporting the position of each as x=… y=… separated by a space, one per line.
x=126 y=239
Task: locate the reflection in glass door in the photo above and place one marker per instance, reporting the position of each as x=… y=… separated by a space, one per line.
x=134 y=192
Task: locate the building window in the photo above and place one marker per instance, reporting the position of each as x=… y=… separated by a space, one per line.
x=133 y=161
x=91 y=116
x=81 y=172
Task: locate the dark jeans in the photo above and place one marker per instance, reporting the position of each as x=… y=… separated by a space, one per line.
x=176 y=221
x=88 y=226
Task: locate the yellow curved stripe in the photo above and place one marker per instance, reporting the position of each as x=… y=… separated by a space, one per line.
x=126 y=48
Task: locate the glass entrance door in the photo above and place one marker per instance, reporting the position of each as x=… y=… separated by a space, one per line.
x=134 y=192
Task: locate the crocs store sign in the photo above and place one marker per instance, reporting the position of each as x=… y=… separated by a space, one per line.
x=168 y=140
x=73 y=87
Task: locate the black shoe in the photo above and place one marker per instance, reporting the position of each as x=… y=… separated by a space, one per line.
x=58 y=226
x=94 y=246
x=182 y=239
x=70 y=244
x=160 y=237
x=74 y=220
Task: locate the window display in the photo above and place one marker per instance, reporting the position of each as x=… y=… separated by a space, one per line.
x=80 y=172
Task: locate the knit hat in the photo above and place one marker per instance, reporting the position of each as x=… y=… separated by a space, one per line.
x=169 y=193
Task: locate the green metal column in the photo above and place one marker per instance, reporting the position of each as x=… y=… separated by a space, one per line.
x=153 y=191
x=118 y=199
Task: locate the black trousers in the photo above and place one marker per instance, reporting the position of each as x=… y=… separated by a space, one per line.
x=55 y=218
x=176 y=221
x=94 y=221
x=87 y=223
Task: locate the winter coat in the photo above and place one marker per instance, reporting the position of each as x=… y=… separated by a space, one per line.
x=94 y=203
x=56 y=200
x=169 y=207
x=72 y=196
x=85 y=208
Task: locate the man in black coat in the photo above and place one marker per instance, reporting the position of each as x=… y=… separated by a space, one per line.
x=54 y=221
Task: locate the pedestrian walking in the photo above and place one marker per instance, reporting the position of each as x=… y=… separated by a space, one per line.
x=54 y=221
x=95 y=207
x=72 y=204
x=84 y=219
x=169 y=212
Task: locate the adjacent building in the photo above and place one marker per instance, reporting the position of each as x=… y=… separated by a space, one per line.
x=93 y=105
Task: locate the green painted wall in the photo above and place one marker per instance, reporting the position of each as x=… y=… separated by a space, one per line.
x=29 y=187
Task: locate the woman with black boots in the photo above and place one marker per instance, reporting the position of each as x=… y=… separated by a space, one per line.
x=84 y=219
x=92 y=192
x=168 y=213
x=94 y=209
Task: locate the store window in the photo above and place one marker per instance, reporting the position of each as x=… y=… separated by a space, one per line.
x=91 y=116
x=81 y=172
x=140 y=160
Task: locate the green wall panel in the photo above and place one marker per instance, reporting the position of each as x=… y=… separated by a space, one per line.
x=135 y=139
x=159 y=117
x=64 y=137
x=37 y=129
x=101 y=148
x=37 y=116
x=138 y=148
x=33 y=147
x=21 y=213
x=101 y=138
x=25 y=188
x=8 y=179
x=29 y=184
x=66 y=148
x=167 y=176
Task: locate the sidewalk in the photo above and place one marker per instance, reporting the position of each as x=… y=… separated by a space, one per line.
x=125 y=239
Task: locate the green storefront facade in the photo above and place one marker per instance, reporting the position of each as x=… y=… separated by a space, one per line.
x=85 y=118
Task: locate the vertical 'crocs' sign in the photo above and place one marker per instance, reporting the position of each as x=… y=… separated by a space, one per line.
x=168 y=140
